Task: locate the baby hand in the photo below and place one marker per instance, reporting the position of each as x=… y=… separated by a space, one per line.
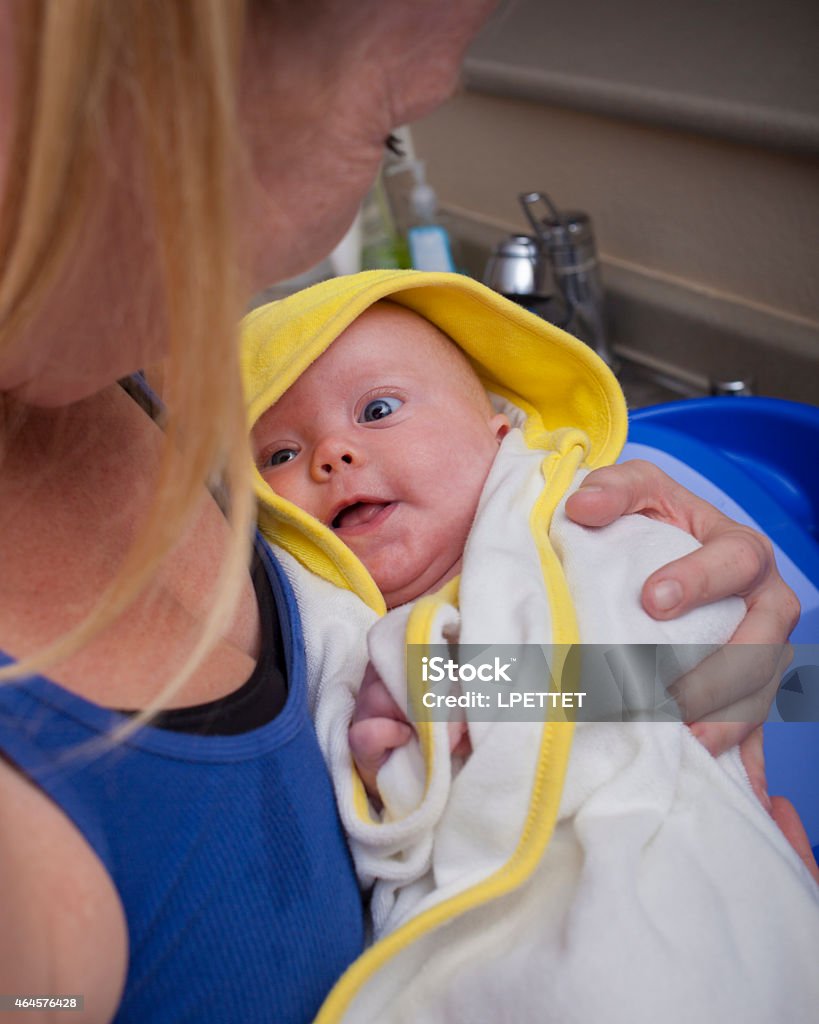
x=378 y=727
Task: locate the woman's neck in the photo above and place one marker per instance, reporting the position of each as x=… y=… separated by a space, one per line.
x=76 y=485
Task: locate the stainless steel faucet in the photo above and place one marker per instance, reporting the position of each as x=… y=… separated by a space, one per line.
x=567 y=241
x=562 y=251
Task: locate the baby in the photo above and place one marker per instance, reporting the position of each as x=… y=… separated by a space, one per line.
x=387 y=439
x=391 y=482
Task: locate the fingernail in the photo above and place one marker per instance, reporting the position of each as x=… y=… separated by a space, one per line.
x=667 y=595
x=589 y=488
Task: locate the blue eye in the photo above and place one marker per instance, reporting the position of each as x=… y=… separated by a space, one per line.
x=281 y=456
x=379 y=408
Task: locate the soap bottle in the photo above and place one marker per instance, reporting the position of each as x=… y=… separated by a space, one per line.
x=382 y=247
x=430 y=246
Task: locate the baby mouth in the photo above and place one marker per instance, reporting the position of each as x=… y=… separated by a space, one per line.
x=360 y=513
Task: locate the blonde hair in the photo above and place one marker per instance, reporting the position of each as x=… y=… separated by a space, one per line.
x=174 y=63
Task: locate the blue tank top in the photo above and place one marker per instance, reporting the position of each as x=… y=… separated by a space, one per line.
x=226 y=851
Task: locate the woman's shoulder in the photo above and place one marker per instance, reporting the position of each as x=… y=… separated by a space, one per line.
x=64 y=929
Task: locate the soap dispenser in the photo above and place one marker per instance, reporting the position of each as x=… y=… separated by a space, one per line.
x=429 y=242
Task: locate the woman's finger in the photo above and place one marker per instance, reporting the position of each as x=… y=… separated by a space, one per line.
x=773 y=611
x=736 y=683
x=728 y=726
x=717 y=737
x=781 y=810
x=734 y=560
x=752 y=753
x=634 y=486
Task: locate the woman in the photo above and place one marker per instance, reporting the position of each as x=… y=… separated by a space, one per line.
x=159 y=163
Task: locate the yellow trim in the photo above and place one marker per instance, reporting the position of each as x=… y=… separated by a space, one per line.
x=558 y=470
x=361 y=801
x=550 y=773
x=419 y=627
x=553 y=758
x=317 y=548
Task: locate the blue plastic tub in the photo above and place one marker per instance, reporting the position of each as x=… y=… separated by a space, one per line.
x=764 y=452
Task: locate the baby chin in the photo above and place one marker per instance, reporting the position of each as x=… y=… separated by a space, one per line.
x=402 y=579
x=405 y=557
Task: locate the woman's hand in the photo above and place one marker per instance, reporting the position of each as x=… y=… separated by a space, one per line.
x=725 y=707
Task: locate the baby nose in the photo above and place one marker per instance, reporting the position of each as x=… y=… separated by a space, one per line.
x=331 y=456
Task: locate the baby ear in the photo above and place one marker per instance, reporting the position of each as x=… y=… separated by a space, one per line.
x=500 y=426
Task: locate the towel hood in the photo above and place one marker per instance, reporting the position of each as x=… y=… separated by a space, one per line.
x=556 y=380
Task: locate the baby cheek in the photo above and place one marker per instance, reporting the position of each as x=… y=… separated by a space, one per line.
x=471 y=467
x=287 y=481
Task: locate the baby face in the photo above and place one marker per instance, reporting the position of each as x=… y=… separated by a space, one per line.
x=387 y=439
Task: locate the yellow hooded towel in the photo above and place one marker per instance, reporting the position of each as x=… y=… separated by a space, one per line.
x=496 y=883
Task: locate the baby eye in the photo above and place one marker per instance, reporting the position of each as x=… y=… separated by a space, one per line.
x=281 y=456
x=378 y=408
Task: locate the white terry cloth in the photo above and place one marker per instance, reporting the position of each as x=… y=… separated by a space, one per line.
x=664 y=891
